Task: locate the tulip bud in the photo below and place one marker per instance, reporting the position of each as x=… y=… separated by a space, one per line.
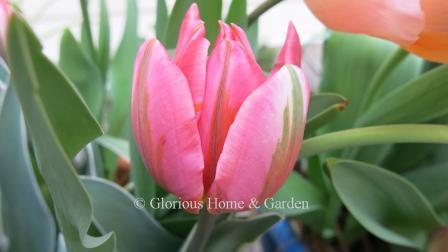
x=217 y=129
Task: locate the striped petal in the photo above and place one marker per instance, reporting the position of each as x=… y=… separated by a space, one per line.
x=234 y=33
x=264 y=141
x=291 y=52
x=191 y=54
x=433 y=41
x=232 y=74
x=400 y=21
x=164 y=123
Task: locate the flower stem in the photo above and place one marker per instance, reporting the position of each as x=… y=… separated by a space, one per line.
x=202 y=231
x=261 y=9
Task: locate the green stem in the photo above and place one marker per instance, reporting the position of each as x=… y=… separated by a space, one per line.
x=268 y=4
x=400 y=133
x=86 y=23
x=202 y=231
x=380 y=76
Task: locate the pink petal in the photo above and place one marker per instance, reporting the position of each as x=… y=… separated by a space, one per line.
x=191 y=54
x=5 y=12
x=291 y=52
x=264 y=141
x=234 y=33
x=400 y=21
x=232 y=75
x=164 y=123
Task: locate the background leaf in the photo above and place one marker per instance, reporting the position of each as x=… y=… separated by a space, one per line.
x=136 y=230
x=121 y=74
x=161 y=19
x=26 y=230
x=384 y=203
x=177 y=14
x=117 y=145
x=230 y=234
x=211 y=14
x=82 y=71
x=103 y=39
x=238 y=13
x=59 y=124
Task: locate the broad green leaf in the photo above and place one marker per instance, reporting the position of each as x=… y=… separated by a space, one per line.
x=136 y=230
x=432 y=182
x=400 y=133
x=145 y=185
x=384 y=203
x=230 y=234
x=238 y=13
x=323 y=108
x=179 y=223
x=349 y=63
x=211 y=14
x=296 y=188
x=20 y=191
x=103 y=39
x=421 y=100
x=121 y=74
x=59 y=124
x=82 y=71
x=174 y=22
x=404 y=157
x=117 y=145
x=161 y=19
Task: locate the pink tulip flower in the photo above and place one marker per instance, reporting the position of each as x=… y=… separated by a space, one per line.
x=419 y=26
x=215 y=128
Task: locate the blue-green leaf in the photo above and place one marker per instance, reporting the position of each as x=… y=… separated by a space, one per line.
x=384 y=203
x=136 y=230
x=59 y=124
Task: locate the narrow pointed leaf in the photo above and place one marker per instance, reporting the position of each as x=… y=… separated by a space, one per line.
x=49 y=103
x=82 y=71
x=323 y=108
x=117 y=145
x=211 y=14
x=104 y=39
x=161 y=19
x=177 y=14
x=238 y=13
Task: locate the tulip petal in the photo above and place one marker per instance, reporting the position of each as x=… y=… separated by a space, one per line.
x=436 y=13
x=264 y=141
x=400 y=21
x=5 y=12
x=291 y=52
x=234 y=33
x=432 y=46
x=191 y=54
x=164 y=123
x=232 y=75
x=433 y=41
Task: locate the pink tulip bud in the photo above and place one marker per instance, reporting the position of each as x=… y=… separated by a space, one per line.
x=217 y=129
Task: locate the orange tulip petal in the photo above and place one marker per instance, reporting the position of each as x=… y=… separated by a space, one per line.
x=400 y=21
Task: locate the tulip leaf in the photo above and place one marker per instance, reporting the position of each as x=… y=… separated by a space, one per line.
x=145 y=185
x=59 y=124
x=350 y=61
x=4 y=241
x=121 y=74
x=20 y=191
x=324 y=107
x=211 y=14
x=296 y=188
x=420 y=100
x=103 y=39
x=384 y=203
x=431 y=180
x=82 y=71
x=161 y=19
x=230 y=234
x=238 y=13
x=400 y=133
x=136 y=230
x=174 y=22
x=86 y=31
x=117 y=145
